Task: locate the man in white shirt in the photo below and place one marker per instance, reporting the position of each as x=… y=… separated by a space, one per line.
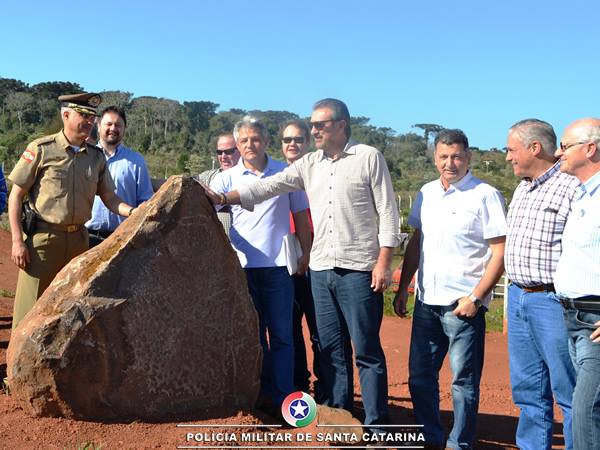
x=577 y=278
x=458 y=247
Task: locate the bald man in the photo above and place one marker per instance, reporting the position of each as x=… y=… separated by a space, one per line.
x=577 y=278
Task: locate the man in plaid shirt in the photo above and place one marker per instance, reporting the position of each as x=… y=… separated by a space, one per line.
x=540 y=365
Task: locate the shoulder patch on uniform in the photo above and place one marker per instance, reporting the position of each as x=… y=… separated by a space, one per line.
x=28 y=155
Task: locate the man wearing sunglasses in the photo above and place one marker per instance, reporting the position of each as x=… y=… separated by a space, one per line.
x=577 y=276
x=228 y=156
x=60 y=174
x=295 y=142
x=355 y=220
x=540 y=366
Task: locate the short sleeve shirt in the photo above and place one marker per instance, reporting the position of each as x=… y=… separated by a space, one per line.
x=257 y=236
x=62 y=181
x=455 y=225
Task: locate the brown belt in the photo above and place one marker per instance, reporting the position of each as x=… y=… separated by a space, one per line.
x=549 y=287
x=41 y=225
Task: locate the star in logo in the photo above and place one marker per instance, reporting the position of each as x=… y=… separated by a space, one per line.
x=299 y=409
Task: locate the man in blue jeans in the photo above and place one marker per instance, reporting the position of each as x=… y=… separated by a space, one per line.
x=458 y=247
x=356 y=228
x=257 y=238
x=540 y=365
x=577 y=276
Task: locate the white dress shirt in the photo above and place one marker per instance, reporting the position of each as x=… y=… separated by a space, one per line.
x=455 y=225
x=578 y=271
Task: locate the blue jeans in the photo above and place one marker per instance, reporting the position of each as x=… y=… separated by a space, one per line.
x=349 y=314
x=436 y=331
x=272 y=292
x=304 y=306
x=540 y=366
x=586 y=397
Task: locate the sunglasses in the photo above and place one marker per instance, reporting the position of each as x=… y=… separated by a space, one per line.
x=321 y=124
x=296 y=139
x=227 y=151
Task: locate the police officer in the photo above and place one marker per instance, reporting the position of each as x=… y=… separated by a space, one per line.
x=61 y=174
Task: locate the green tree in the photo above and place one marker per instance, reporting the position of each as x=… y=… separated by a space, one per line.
x=20 y=103
x=429 y=129
x=121 y=99
x=199 y=114
x=53 y=89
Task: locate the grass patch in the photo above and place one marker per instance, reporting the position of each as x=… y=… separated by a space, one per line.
x=6 y=293
x=4 y=225
x=494 y=316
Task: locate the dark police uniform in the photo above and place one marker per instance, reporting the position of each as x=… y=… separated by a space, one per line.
x=61 y=182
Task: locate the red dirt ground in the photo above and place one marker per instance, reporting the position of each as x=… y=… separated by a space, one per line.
x=497 y=418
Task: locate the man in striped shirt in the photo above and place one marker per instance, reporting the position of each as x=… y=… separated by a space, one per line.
x=540 y=365
x=578 y=276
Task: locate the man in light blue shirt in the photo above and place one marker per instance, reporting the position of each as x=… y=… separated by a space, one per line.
x=577 y=278
x=257 y=238
x=128 y=170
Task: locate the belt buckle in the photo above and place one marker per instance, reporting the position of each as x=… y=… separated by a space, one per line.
x=72 y=228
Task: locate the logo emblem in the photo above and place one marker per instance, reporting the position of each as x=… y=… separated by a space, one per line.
x=299 y=409
x=28 y=155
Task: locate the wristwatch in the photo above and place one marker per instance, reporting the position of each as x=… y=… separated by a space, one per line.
x=475 y=300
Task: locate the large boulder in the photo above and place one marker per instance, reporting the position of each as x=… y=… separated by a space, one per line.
x=154 y=322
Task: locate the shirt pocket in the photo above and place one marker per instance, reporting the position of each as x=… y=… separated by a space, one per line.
x=55 y=182
x=550 y=223
x=461 y=221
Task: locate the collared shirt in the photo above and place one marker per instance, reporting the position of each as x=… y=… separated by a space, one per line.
x=224 y=214
x=352 y=204
x=133 y=186
x=578 y=271
x=536 y=220
x=456 y=225
x=62 y=183
x=3 y=192
x=257 y=236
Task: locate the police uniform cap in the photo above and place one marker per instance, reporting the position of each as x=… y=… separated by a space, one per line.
x=85 y=103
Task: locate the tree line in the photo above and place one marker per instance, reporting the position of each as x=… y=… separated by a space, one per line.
x=178 y=137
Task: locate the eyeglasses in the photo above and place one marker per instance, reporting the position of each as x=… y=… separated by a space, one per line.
x=565 y=147
x=321 y=124
x=227 y=151
x=296 y=139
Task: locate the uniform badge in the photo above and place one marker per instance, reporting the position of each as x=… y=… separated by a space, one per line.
x=28 y=155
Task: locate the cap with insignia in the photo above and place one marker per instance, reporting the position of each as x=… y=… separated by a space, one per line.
x=85 y=103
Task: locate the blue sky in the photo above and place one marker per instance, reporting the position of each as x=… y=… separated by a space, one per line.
x=475 y=65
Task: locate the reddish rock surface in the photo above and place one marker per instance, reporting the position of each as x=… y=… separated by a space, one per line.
x=145 y=325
